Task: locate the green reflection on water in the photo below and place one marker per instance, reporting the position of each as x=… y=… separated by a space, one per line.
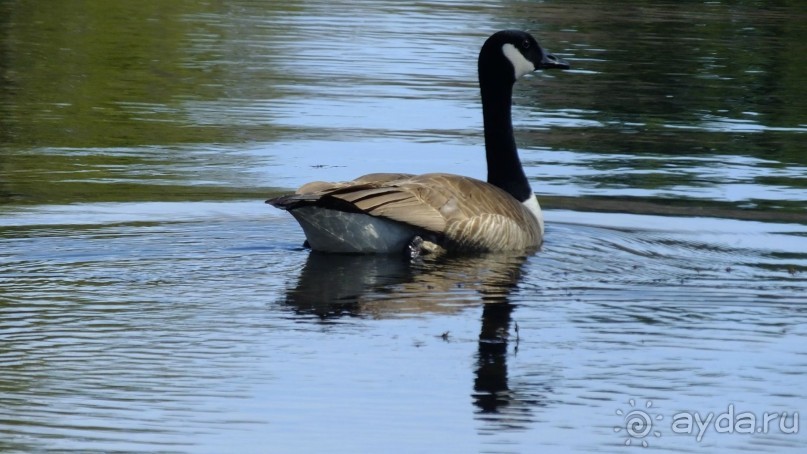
x=666 y=78
x=99 y=74
x=685 y=78
x=79 y=78
x=55 y=176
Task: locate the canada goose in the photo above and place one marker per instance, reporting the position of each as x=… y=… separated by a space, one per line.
x=393 y=212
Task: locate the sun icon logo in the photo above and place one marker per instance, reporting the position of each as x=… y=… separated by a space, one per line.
x=638 y=423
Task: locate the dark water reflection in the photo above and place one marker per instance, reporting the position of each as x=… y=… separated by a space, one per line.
x=329 y=281
x=383 y=286
x=150 y=302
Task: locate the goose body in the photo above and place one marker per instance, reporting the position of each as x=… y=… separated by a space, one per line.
x=390 y=212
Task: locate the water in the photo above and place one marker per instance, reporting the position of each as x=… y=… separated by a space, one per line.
x=150 y=302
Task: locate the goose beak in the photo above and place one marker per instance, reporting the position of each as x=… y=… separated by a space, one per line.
x=552 y=62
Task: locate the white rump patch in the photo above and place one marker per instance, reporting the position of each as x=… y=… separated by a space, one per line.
x=532 y=205
x=520 y=63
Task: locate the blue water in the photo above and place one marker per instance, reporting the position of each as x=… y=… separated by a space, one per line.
x=151 y=302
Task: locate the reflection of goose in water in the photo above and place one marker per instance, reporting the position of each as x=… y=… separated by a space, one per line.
x=501 y=404
x=334 y=285
x=381 y=284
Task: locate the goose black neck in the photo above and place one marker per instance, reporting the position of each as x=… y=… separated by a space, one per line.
x=504 y=166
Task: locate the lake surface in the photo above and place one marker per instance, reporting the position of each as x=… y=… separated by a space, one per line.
x=151 y=302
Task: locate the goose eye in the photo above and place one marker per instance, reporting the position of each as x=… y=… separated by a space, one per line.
x=526 y=44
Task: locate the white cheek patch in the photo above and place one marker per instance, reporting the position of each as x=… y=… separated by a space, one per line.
x=520 y=63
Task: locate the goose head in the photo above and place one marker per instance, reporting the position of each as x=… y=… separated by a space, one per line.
x=509 y=54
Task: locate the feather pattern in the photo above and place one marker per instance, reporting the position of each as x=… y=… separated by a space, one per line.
x=455 y=212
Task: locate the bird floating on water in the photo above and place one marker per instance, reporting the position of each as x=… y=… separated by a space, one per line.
x=439 y=212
